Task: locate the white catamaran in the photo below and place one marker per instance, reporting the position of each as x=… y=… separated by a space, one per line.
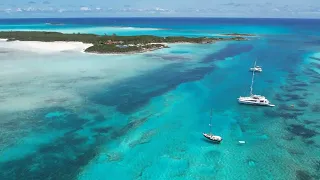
x=210 y=136
x=256 y=68
x=254 y=99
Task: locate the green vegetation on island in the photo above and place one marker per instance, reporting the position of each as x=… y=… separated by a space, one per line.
x=111 y=43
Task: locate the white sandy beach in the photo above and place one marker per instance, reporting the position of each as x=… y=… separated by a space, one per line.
x=44 y=47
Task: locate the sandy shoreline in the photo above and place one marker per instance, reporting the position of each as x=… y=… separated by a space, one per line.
x=61 y=46
x=44 y=47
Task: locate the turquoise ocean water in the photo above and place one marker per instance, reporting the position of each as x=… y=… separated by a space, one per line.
x=142 y=116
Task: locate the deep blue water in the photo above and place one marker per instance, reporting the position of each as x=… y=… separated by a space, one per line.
x=167 y=22
x=191 y=25
x=149 y=126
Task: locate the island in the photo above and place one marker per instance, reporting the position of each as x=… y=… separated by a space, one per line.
x=111 y=44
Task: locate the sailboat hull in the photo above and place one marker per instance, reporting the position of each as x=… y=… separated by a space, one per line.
x=216 y=139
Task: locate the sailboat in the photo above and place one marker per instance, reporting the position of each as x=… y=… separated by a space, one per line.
x=210 y=136
x=254 y=99
x=256 y=68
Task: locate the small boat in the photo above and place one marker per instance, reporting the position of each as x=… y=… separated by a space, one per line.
x=254 y=99
x=256 y=68
x=210 y=136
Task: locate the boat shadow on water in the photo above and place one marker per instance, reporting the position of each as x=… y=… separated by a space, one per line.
x=211 y=142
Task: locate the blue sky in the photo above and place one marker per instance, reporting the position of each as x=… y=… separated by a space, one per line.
x=160 y=8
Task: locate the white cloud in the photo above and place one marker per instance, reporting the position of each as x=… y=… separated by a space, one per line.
x=8 y=10
x=30 y=9
x=148 y=10
x=85 y=8
x=159 y=9
x=276 y=9
x=227 y=10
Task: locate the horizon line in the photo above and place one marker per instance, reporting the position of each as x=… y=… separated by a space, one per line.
x=159 y=17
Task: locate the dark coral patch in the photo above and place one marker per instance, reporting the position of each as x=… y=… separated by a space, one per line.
x=93 y=111
x=317 y=165
x=70 y=121
x=278 y=97
x=126 y=95
x=292 y=88
x=99 y=117
x=102 y=129
x=292 y=76
x=295 y=152
x=315 y=108
x=309 y=122
x=317 y=81
x=302 y=104
x=289 y=115
x=269 y=81
x=309 y=142
x=311 y=72
x=271 y=113
x=315 y=58
x=168 y=57
x=128 y=127
x=303 y=175
x=288 y=137
x=301 y=131
x=285 y=115
x=315 y=65
x=292 y=97
x=285 y=107
x=61 y=159
x=301 y=84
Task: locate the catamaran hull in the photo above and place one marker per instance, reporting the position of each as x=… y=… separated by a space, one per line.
x=254 y=70
x=256 y=104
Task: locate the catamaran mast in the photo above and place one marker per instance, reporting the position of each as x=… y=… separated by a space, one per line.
x=251 y=88
x=210 y=121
